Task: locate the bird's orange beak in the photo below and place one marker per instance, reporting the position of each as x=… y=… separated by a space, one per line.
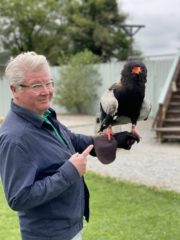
x=136 y=70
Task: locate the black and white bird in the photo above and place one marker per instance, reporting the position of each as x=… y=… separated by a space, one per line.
x=124 y=98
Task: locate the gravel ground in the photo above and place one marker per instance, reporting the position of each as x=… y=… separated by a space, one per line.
x=148 y=162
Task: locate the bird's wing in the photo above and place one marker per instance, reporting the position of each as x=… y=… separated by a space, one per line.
x=115 y=86
x=144 y=114
x=109 y=103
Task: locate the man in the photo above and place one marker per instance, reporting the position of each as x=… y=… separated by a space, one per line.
x=42 y=163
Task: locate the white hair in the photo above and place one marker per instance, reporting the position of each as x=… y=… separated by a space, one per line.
x=17 y=67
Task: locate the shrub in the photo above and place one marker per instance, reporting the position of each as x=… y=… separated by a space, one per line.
x=77 y=87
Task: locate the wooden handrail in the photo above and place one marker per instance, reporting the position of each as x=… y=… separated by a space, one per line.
x=167 y=93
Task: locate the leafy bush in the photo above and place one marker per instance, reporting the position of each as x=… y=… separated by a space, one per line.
x=77 y=87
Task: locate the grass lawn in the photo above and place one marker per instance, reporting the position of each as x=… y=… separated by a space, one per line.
x=119 y=211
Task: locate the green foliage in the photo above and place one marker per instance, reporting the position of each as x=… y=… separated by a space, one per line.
x=31 y=26
x=96 y=25
x=64 y=28
x=119 y=211
x=77 y=88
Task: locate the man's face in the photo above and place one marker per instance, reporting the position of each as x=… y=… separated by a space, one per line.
x=36 y=100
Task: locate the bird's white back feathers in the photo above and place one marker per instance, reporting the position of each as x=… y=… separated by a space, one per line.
x=109 y=103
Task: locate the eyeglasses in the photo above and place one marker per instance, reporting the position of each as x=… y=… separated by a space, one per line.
x=39 y=86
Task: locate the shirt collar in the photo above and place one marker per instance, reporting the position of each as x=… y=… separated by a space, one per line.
x=31 y=116
x=44 y=115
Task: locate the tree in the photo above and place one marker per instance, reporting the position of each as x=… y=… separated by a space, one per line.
x=60 y=28
x=31 y=26
x=77 y=87
x=96 y=25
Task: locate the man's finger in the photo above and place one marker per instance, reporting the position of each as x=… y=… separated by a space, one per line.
x=86 y=152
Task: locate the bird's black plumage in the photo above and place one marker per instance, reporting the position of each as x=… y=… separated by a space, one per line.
x=126 y=97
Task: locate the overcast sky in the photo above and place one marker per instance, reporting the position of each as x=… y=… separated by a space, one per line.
x=161 y=18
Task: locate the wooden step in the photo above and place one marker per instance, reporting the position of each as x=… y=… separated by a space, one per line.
x=172 y=120
x=175 y=130
x=168 y=134
x=170 y=138
x=171 y=124
x=173 y=108
x=173 y=115
x=174 y=104
x=176 y=92
x=175 y=96
x=174 y=111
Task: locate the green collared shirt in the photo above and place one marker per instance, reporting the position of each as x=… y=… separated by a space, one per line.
x=45 y=118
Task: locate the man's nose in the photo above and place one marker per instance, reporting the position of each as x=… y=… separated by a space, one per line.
x=45 y=90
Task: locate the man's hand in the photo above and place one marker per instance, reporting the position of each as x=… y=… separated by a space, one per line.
x=80 y=160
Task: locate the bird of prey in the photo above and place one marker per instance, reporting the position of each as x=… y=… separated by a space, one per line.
x=124 y=98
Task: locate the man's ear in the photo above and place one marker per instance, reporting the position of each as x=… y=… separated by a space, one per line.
x=14 y=92
x=13 y=89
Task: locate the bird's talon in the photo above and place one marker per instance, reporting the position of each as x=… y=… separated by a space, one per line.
x=108 y=133
x=136 y=134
